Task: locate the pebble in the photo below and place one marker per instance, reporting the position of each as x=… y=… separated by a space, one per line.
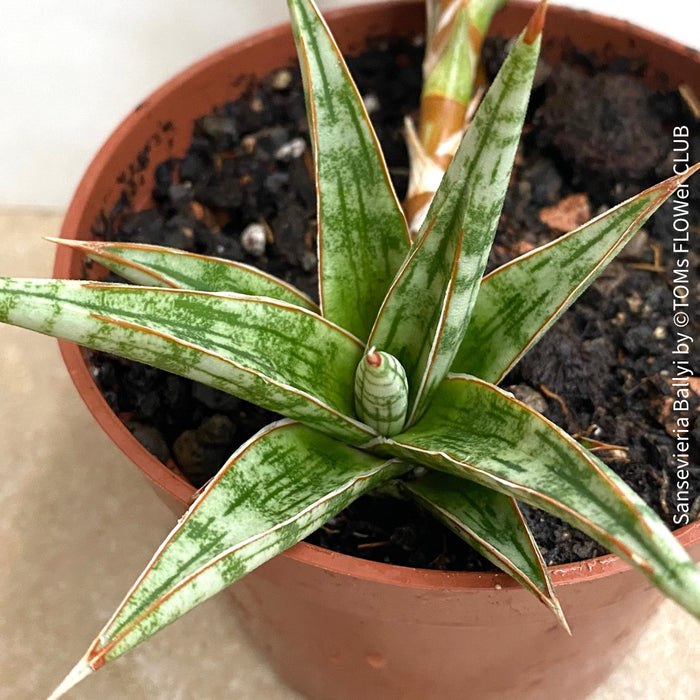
x=309 y=261
x=254 y=239
x=529 y=396
x=201 y=452
x=281 y=79
x=568 y=214
x=634 y=301
x=372 y=103
x=291 y=150
x=216 y=430
x=151 y=439
x=222 y=130
x=181 y=193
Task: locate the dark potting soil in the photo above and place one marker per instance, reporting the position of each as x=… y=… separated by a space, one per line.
x=603 y=371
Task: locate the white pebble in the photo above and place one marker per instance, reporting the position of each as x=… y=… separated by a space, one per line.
x=372 y=103
x=253 y=239
x=291 y=150
x=282 y=79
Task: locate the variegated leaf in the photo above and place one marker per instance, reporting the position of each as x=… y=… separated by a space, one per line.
x=518 y=302
x=158 y=266
x=476 y=431
x=276 y=355
x=456 y=30
x=491 y=523
x=275 y=490
x=425 y=314
x=362 y=235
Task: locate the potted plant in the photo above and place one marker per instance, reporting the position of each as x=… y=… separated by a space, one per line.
x=385 y=401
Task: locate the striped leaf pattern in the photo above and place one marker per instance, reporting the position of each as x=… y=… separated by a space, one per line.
x=362 y=234
x=518 y=302
x=277 y=488
x=455 y=30
x=158 y=266
x=491 y=523
x=381 y=392
x=268 y=352
x=425 y=314
x=476 y=431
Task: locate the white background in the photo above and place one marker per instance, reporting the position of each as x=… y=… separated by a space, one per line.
x=70 y=71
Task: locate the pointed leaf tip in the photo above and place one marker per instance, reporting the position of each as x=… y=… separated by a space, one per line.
x=79 y=672
x=675 y=182
x=536 y=23
x=555 y=606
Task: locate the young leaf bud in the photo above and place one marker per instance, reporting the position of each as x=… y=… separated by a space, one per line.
x=381 y=392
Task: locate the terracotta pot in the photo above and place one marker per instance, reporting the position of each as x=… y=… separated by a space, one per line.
x=336 y=627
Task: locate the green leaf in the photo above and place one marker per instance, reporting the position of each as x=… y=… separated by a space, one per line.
x=425 y=314
x=362 y=234
x=268 y=352
x=491 y=523
x=476 y=431
x=276 y=489
x=451 y=60
x=158 y=266
x=455 y=32
x=519 y=301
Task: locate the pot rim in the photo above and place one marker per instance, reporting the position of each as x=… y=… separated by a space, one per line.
x=179 y=489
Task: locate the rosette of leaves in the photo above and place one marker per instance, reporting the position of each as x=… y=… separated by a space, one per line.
x=398 y=367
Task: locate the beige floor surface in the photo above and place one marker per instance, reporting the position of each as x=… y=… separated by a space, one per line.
x=77 y=524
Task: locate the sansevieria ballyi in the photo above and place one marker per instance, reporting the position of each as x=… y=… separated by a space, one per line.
x=398 y=367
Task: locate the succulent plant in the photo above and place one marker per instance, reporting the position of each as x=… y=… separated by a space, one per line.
x=398 y=367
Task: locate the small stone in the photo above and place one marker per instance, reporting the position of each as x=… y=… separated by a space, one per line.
x=221 y=130
x=620 y=319
x=151 y=439
x=372 y=103
x=256 y=104
x=254 y=239
x=309 y=261
x=281 y=79
x=634 y=301
x=659 y=332
x=291 y=150
x=529 y=396
x=180 y=193
x=570 y=213
x=200 y=453
x=273 y=139
x=248 y=142
x=189 y=455
x=216 y=430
